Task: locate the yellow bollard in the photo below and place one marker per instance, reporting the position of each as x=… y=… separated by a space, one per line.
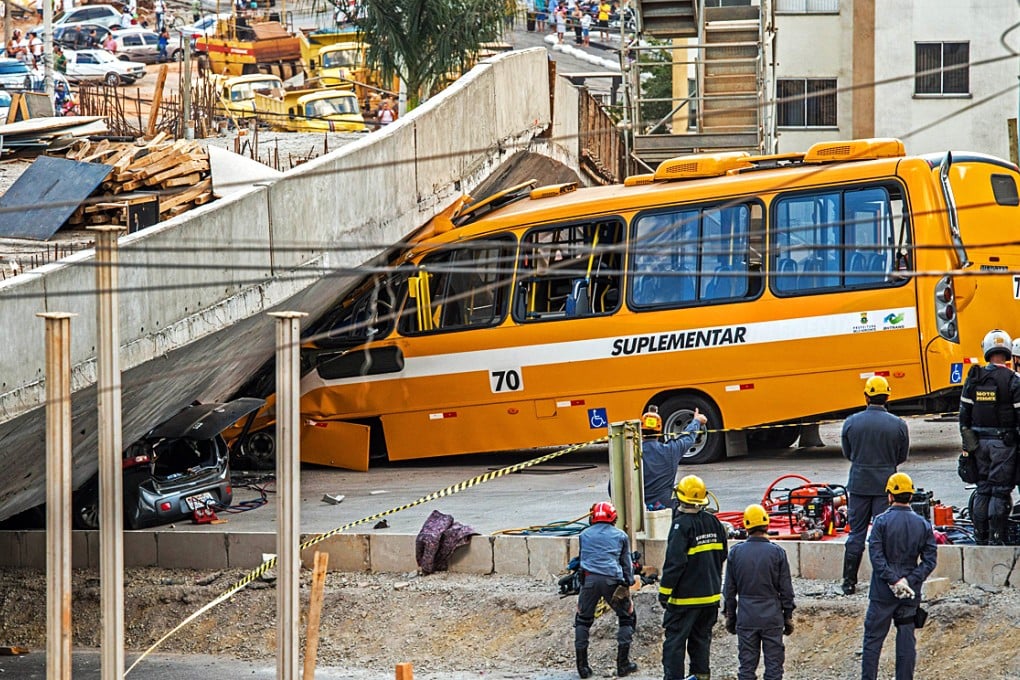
x=405 y=671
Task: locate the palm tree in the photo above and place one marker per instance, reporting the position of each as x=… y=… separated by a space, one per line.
x=427 y=42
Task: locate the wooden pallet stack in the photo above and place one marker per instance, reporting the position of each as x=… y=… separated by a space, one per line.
x=177 y=171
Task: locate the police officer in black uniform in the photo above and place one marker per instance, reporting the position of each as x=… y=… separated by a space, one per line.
x=690 y=587
x=903 y=554
x=758 y=599
x=989 y=415
x=875 y=442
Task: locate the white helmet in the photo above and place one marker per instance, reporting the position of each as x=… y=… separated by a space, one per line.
x=1016 y=347
x=997 y=341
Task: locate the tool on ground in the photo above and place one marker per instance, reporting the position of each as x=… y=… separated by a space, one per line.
x=204 y=515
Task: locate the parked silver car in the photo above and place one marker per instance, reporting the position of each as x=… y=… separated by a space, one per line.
x=102 y=15
x=178 y=466
x=137 y=44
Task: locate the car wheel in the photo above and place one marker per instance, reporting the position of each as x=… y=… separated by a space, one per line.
x=258 y=451
x=178 y=55
x=678 y=411
x=112 y=79
x=85 y=508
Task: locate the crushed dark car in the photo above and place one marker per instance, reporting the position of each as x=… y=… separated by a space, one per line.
x=180 y=465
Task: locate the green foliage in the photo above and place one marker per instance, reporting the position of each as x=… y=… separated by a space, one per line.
x=427 y=41
x=656 y=83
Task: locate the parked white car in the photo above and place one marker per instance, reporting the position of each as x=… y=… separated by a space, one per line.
x=102 y=15
x=101 y=65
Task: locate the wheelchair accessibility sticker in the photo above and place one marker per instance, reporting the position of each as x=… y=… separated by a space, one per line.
x=955 y=373
x=597 y=418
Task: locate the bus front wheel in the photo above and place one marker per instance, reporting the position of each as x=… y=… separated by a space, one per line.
x=678 y=411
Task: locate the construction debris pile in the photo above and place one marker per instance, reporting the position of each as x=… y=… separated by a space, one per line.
x=39 y=135
x=177 y=173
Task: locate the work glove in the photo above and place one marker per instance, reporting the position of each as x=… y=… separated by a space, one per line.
x=902 y=589
x=731 y=625
x=620 y=596
x=663 y=600
x=788 y=627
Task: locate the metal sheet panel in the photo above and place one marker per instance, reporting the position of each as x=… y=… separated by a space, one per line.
x=46 y=194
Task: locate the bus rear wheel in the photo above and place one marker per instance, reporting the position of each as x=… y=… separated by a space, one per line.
x=678 y=411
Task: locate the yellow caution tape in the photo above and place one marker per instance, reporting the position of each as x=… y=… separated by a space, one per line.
x=448 y=491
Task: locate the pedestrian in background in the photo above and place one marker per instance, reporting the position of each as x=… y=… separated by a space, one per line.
x=575 y=20
x=586 y=29
x=989 y=415
x=603 y=19
x=607 y=572
x=690 y=587
x=35 y=49
x=875 y=442
x=661 y=459
x=162 y=43
x=758 y=599
x=158 y=9
x=903 y=554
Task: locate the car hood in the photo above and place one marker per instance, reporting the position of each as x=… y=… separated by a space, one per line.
x=204 y=421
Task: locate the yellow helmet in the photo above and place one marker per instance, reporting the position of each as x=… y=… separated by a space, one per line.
x=755 y=517
x=651 y=421
x=899 y=482
x=876 y=384
x=691 y=490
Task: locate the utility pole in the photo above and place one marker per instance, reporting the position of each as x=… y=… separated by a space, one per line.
x=189 y=124
x=58 y=495
x=47 y=47
x=288 y=489
x=111 y=481
x=8 y=22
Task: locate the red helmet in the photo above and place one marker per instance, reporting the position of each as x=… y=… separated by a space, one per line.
x=603 y=512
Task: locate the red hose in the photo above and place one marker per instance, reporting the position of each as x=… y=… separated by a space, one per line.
x=766 y=500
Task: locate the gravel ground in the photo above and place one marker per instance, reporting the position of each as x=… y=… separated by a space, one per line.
x=461 y=626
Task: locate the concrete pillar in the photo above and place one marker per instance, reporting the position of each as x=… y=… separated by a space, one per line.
x=863 y=97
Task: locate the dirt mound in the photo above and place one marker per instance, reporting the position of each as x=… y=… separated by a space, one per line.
x=497 y=625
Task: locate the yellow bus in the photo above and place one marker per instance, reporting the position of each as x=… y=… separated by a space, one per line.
x=759 y=290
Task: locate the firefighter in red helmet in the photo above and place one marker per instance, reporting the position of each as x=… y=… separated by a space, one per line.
x=607 y=571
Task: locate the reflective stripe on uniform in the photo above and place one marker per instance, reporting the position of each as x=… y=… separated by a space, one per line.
x=704 y=548
x=690 y=601
x=965 y=400
x=663 y=590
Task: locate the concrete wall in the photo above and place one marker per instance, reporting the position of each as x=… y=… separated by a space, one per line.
x=540 y=557
x=207 y=273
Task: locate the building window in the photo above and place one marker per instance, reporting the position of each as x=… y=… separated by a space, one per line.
x=942 y=68
x=806 y=102
x=807 y=6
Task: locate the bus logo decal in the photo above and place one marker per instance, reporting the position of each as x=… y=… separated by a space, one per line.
x=670 y=342
x=894 y=319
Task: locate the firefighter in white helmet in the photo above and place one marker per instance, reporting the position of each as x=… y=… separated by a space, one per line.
x=875 y=442
x=661 y=457
x=989 y=416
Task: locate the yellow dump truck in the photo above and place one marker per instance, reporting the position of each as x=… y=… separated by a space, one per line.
x=343 y=63
x=236 y=94
x=241 y=46
x=321 y=110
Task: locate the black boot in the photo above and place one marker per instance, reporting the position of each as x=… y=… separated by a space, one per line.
x=583 y=669
x=624 y=666
x=851 y=565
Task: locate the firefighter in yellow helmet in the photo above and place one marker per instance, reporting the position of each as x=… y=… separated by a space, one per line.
x=690 y=587
x=875 y=442
x=758 y=598
x=660 y=457
x=903 y=554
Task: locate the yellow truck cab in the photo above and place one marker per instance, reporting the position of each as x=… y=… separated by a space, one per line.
x=341 y=63
x=236 y=94
x=322 y=110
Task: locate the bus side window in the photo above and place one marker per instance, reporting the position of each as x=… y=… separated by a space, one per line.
x=459 y=288
x=569 y=271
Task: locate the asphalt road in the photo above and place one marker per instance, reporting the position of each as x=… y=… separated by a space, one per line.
x=565 y=488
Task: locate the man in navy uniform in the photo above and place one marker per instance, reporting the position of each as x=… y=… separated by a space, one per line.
x=606 y=566
x=660 y=459
x=758 y=599
x=875 y=442
x=903 y=554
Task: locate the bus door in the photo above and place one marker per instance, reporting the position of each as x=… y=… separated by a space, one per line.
x=844 y=306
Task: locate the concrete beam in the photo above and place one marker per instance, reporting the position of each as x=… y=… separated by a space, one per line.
x=474 y=558
x=988 y=565
x=347 y=552
x=392 y=553
x=510 y=555
x=547 y=556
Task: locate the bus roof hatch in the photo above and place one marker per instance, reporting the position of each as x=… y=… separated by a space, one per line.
x=855 y=150
x=702 y=165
